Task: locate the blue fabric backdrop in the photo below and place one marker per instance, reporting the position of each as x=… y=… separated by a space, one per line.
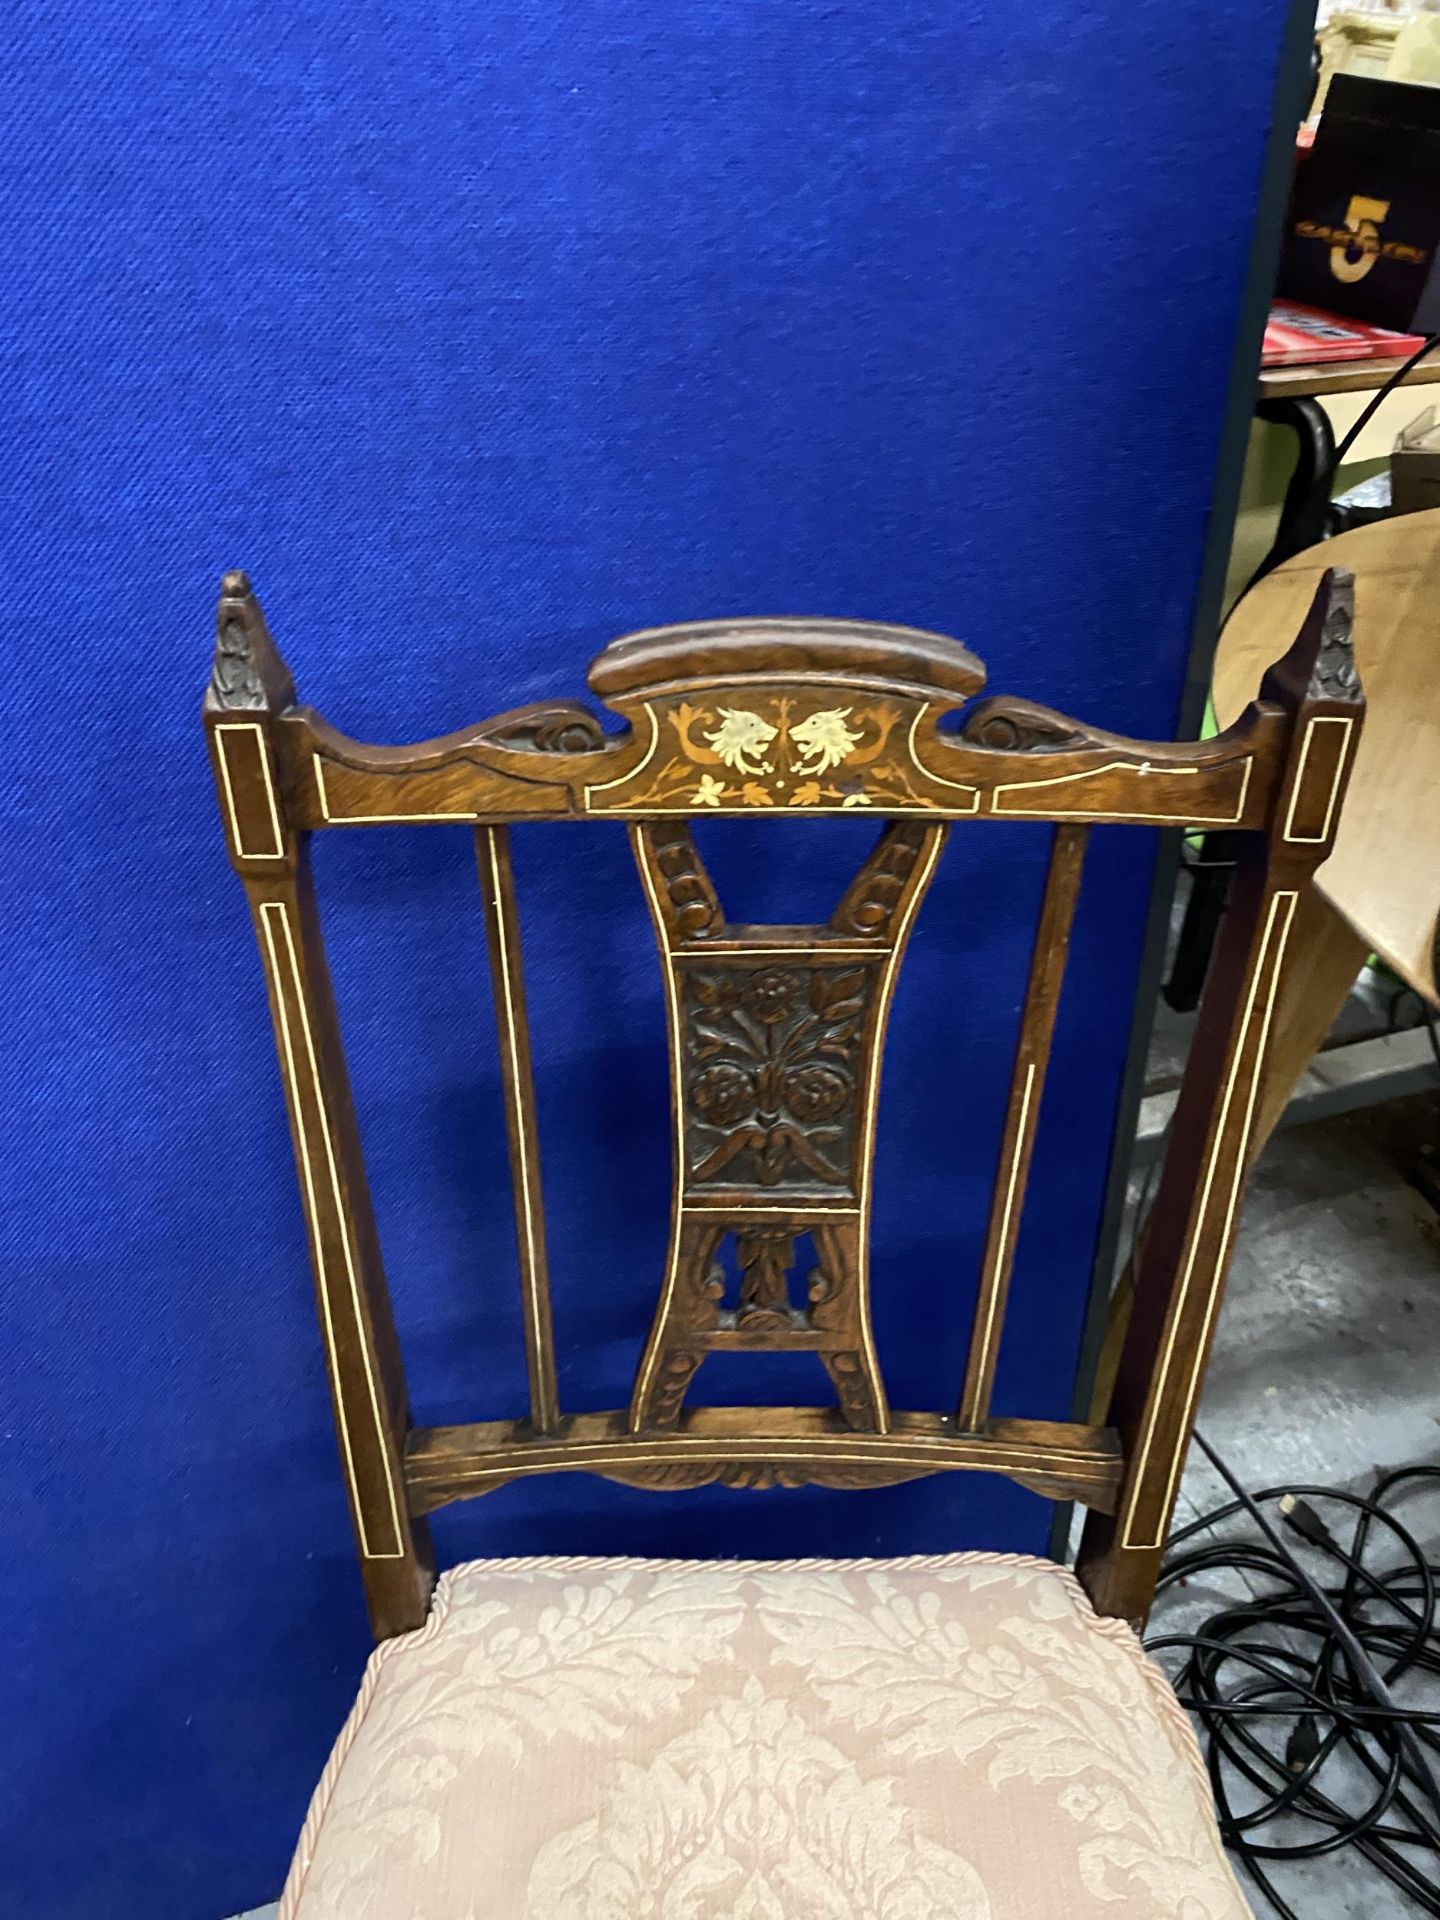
x=480 y=335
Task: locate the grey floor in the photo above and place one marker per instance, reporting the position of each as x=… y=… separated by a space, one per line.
x=1325 y=1368
x=1325 y=1365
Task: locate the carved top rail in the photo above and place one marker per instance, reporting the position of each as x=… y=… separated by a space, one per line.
x=747 y=717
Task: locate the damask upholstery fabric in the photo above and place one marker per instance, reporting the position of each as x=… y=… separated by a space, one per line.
x=923 y=1739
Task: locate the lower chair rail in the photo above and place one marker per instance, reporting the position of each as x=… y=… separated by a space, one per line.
x=764 y=1447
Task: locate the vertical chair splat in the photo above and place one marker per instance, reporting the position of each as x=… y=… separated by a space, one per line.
x=497 y=887
x=1032 y=1058
x=776 y=1035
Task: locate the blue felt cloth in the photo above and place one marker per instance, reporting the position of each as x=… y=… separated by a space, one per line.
x=480 y=334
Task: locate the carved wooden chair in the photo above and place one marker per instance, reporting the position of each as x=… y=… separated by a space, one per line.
x=970 y=1736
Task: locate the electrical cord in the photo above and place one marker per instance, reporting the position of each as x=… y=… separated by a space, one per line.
x=1326 y=480
x=1297 y=1687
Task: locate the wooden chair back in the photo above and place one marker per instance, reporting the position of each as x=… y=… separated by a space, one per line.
x=775 y=1037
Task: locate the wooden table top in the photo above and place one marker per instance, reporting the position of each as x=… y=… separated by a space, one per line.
x=1383 y=876
x=1342 y=376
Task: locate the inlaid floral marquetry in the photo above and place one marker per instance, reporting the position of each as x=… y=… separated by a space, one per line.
x=788 y=752
x=781 y=750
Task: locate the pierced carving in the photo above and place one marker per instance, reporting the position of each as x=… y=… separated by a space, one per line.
x=771 y=1068
x=778 y=1045
x=1019 y=726
x=830 y=1324
x=765 y=1256
x=563 y=726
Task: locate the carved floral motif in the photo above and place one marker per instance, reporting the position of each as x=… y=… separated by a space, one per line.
x=775 y=1056
x=772 y=1067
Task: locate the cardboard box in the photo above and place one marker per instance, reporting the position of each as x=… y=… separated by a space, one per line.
x=1364 y=221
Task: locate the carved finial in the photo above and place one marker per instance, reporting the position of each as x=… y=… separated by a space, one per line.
x=248 y=673
x=1335 y=674
x=1321 y=664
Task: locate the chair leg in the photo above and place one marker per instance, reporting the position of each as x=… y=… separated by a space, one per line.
x=1325 y=957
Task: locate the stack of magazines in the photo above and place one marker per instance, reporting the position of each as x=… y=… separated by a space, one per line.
x=1304 y=336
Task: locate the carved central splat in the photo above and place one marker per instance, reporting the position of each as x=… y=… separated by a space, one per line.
x=772 y=1056
x=776 y=1038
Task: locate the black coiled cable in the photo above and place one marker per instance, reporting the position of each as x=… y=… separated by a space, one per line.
x=1316 y=1698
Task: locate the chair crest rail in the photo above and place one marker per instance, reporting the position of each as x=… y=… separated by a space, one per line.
x=782 y=716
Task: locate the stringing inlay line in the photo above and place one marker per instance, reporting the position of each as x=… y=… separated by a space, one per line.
x=288 y=993
x=672 y=1007
x=593 y=1456
x=462 y=815
x=1346 y=722
x=1248 y=1053
x=1053 y=925
x=604 y=786
x=544 y=1397
x=992 y=1283
x=1121 y=813
x=222 y=748
x=958 y=786
x=919 y=884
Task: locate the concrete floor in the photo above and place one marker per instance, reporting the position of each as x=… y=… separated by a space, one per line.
x=1326 y=1364
x=1327 y=1367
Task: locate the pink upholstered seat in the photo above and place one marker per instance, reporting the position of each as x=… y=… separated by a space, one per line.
x=924 y=1739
